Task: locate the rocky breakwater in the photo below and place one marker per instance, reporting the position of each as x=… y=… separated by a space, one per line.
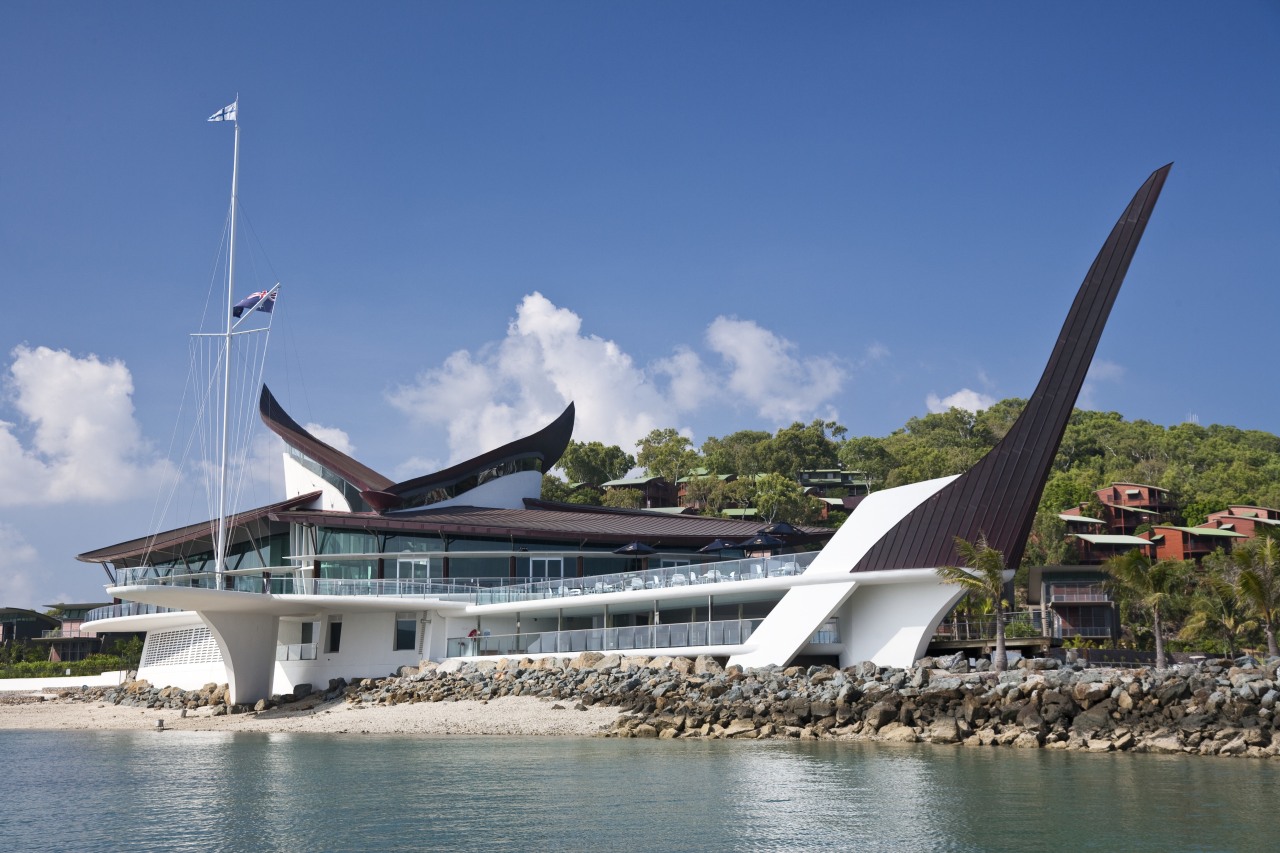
x=1218 y=707
x=142 y=694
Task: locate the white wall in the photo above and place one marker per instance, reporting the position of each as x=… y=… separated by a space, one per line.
x=367 y=650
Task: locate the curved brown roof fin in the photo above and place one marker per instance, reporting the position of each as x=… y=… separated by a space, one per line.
x=278 y=421
x=998 y=496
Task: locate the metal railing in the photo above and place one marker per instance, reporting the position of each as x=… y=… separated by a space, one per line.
x=129 y=608
x=59 y=633
x=289 y=581
x=1077 y=592
x=670 y=577
x=731 y=632
x=295 y=651
x=985 y=629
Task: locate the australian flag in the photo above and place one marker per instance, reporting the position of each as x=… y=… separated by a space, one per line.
x=265 y=300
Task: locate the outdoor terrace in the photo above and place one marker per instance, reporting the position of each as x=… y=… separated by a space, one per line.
x=291 y=580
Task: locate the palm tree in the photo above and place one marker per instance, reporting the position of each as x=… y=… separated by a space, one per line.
x=1217 y=608
x=982 y=578
x=1156 y=587
x=1258 y=584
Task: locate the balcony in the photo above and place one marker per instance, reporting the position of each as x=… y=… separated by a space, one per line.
x=670 y=577
x=730 y=632
x=1077 y=593
x=129 y=608
x=288 y=580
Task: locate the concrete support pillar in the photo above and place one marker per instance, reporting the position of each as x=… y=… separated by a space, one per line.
x=891 y=624
x=248 y=645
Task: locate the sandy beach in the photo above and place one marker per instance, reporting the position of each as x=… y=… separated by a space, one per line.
x=506 y=716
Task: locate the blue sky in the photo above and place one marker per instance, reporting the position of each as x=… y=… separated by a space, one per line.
x=713 y=216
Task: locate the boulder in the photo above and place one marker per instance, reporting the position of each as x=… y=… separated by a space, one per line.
x=707 y=665
x=898 y=733
x=586 y=660
x=880 y=714
x=944 y=730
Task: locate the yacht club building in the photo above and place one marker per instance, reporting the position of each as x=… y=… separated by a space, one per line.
x=354 y=575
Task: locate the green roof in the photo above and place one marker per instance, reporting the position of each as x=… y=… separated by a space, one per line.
x=1208 y=531
x=739 y=512
x=1111 y=539
x=631 y=483
x=1133 y=509
x=700 y=473
x=1068 y=517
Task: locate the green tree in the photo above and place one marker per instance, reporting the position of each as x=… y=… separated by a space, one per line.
x=781 y=499
x=667 y=454
x=1258 y=585
x=1155 y=588
x=595 y=463
x=740 y=453
x=700 y=491
x=982 y=579
x=623 y=499
x=734 y=494
x=1216 y=611
x=554 y=489
x=802 y=447
x=867 y=454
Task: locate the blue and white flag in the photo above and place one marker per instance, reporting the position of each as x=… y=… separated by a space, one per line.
x=263 y=300
x=227 y=113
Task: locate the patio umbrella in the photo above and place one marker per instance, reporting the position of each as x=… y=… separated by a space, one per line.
x=717 y=545
x=781 y=528
x=761 y=540
x=635 y=549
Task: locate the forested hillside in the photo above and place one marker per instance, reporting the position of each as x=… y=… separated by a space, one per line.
x=1204 y=468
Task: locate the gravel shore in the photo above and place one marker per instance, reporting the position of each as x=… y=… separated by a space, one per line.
x=506 y=716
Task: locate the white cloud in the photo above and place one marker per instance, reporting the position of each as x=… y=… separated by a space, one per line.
x=765 y=373
x=1100 y=371
x=332 y=436
x=17 y=569
x=507 y=389
x=965 y=398
x=415 y=466
x=78 y=439
x=875 y=352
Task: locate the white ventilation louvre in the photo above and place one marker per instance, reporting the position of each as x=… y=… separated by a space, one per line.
x=180 y=648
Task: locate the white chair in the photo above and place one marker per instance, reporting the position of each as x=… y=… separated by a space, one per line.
x=678 y=579
x=637 y=584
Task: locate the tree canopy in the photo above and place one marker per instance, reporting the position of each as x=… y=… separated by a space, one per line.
x=595 y=463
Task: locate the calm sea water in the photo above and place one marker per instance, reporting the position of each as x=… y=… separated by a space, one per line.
x=91 y=791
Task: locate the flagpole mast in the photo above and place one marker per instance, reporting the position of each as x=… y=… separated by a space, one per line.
x=220 y=553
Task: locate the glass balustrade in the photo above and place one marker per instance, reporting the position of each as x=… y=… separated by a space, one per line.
x=287 y=580
x=730 y=632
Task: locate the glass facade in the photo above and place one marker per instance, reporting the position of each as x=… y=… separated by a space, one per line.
x=349 y=491
x=438 y=492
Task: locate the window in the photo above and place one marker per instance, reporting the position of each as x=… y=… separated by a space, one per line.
x=308 y=632
x=546 y=567
x=335 y=635
x=668 y=564
x=406 y=632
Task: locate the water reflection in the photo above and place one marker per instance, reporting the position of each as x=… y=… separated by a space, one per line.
x=222 y=791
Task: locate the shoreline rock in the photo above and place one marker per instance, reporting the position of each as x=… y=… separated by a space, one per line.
x=1217 y=707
